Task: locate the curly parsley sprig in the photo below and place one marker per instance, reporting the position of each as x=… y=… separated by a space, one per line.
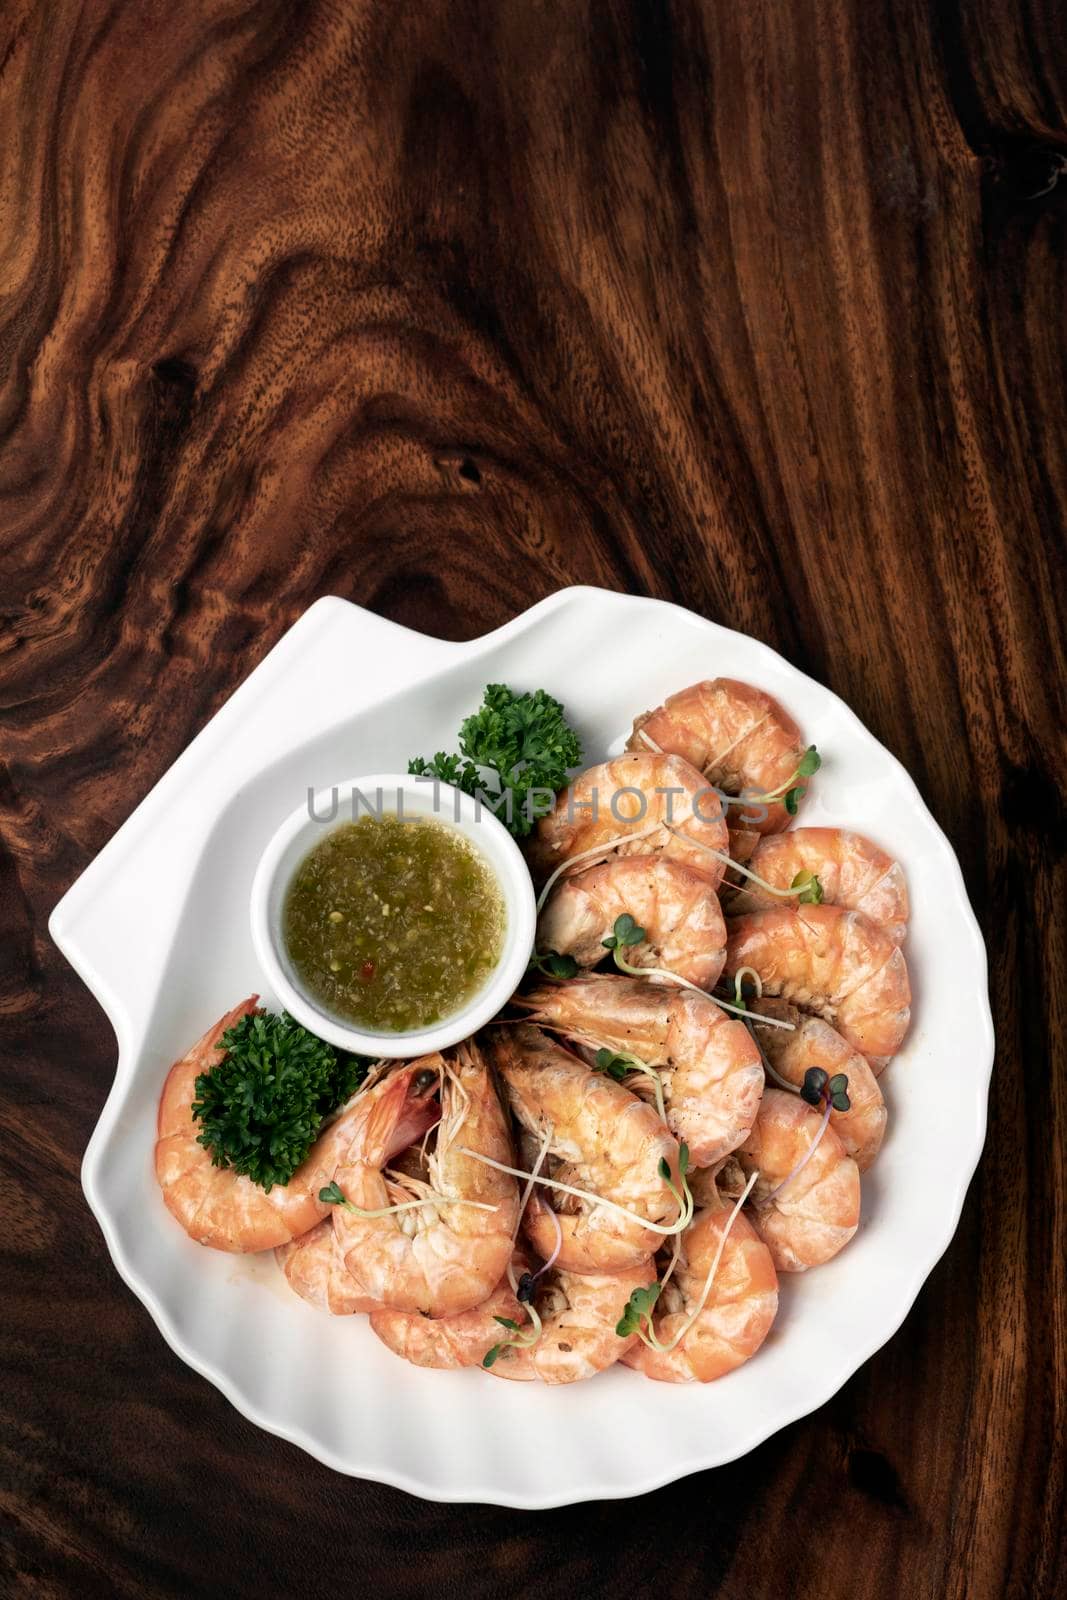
x=261 y=1108
x=513 y=745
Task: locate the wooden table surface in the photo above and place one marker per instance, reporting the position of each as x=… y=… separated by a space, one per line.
x=755 y=306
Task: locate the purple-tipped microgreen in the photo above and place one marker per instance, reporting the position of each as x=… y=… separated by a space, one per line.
x=818 y=1091
x=815 y=1081
x=818 y=1088
x=838 y=1091
x=802 y=1163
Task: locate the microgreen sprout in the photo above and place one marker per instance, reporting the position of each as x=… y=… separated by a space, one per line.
x=637 y=1318
x=740 y=975
x=665 y=1230
x=804 y=888
x=815 y=1084
x=807 y=888
x=838 y=1087
x=742 y=1011
x=810 y=762
x=522 y=1337
x=790 y=793
x=684 y=1197
x=624 y=934
x=334 y=1195
x=525 y=1286
x=818 y=1090
x=818 y=1087
x=620 y=1065
x=783 y=1083
x=638 y=1309
x=531 y=1179
x=739 y=1006
x=683 y=983
x=553 y=965
x=630 y=934
x=815 y=1081
x=627 y=933
x=802 y=1163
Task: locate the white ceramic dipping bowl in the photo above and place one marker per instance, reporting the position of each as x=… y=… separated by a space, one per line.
x=308 y=826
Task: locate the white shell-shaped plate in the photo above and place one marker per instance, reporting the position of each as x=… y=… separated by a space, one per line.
x=157 y=926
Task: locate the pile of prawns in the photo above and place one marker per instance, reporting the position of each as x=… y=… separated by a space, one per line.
x=619 y=1168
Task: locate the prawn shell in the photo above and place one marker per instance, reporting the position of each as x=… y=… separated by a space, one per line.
x=818 y=1211
x=813 y=1043
x=712 y=1072
x=608 y=1141
x=629 y=795
x=738 y=736
x=314 y=1270
x=675 y=905
x=852 y=871
x=738 y=1315
x=461 y=1340
x=834 y=963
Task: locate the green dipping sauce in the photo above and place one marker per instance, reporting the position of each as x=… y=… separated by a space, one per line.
x=394 y=924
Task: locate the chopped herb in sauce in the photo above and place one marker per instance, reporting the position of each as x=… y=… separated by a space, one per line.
x=394 y=924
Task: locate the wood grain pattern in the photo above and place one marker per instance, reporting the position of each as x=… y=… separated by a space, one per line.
x=758 y=307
